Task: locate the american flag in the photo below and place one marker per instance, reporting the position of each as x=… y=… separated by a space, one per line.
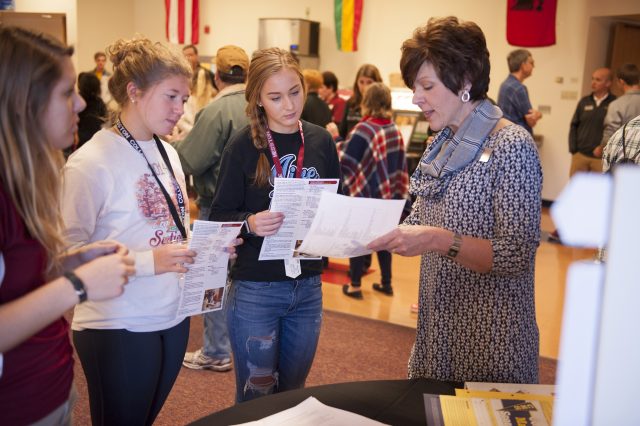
x=182 y=22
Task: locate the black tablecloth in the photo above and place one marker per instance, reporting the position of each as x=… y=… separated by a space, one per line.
x=394 y=402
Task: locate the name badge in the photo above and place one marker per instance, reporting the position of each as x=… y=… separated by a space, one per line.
x=486 y=155
x=588 y=108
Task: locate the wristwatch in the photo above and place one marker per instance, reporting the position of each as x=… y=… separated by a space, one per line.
x=78 y=285
x=454 y=249
x=246 y=225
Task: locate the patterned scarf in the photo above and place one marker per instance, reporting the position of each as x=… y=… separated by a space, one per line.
x=448 y=153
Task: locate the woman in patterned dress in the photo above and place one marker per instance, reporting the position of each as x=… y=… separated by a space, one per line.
x=476 y=220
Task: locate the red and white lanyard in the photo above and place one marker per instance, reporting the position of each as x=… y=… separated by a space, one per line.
x=276 y=159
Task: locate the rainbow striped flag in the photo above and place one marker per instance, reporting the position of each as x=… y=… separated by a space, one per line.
x=347 y=16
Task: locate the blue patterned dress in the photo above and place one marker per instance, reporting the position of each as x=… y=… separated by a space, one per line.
x=472 y=326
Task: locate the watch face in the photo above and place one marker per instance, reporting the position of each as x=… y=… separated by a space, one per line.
x=455 y=246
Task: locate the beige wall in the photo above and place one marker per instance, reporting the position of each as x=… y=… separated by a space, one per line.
x=99 y=24
x=384 y=26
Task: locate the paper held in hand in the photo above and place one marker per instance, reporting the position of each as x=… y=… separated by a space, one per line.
x=205 y=282
x=298 y=200
x=343 y=226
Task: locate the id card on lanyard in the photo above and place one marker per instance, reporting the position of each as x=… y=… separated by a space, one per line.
x=178 y=219
x=291 y=266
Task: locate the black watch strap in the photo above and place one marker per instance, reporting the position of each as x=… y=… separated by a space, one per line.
x=77 y=284
x=246 y=225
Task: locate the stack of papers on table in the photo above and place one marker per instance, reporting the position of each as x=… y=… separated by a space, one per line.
x=312 y=412
x=494 y=407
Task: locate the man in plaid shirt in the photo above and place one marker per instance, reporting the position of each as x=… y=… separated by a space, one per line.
x=624 y=145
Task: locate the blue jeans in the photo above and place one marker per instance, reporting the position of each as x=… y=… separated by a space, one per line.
x=274 y=329
x=216 y=337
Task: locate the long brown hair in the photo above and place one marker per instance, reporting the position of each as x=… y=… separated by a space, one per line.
x=366 y=70
x=31 y=66
x=264 y=64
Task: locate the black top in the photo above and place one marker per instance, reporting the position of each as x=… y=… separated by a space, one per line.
x=316 y=110
x=236 y=196
x=92 y=118
x=587 y=125
x=352 y=115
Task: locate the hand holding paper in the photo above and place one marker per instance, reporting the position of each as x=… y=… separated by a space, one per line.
x=405 y=240
x=265 y=223
x=344 y=226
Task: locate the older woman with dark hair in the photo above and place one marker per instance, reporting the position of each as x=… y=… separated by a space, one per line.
x=476 y=220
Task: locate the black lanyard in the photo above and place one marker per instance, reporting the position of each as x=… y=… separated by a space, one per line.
x=178 y=219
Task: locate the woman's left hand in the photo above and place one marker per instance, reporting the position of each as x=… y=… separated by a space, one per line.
x=232 y=248
x=405 y=240
x=100 y=248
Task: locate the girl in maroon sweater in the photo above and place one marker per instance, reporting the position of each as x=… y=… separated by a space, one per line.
x=38 y=280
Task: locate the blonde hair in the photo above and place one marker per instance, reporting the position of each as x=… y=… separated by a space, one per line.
x=264 y=64
x=313 y=79
x=377 y=101
x=143 y=63
x=31 y=66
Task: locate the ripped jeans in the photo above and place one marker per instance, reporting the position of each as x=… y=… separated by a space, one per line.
x=274 y=329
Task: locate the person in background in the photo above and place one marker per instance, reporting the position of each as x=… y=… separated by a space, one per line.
x=626 y=106
x=39 y=280
x=315 y=110
x=513 y=97
x=200 y=154
x=103 y=75
x=128 y=185
x=100 y=71
x=203 y=90
x=587 y=125
x=366 y=75
x=373 y=165
x=94 y=116
x=274 y=313
x=203 y=84
x=328 y=92
x=477 y=319
x=623 y=147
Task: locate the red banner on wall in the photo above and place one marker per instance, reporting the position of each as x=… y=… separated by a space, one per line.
x=531 y=23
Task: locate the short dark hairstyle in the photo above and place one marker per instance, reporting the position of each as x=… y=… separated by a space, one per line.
x=88 y=85
x=190 y=46
x=456 y=50
x=516 y=58
x=330 y=80
x=238 y=77
x=629 y=73
x=99 y=54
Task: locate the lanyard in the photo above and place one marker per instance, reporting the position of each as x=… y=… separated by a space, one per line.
x=179 y=220
x=276 y=159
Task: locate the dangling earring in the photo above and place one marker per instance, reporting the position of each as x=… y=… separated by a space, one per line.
x=466 y=96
